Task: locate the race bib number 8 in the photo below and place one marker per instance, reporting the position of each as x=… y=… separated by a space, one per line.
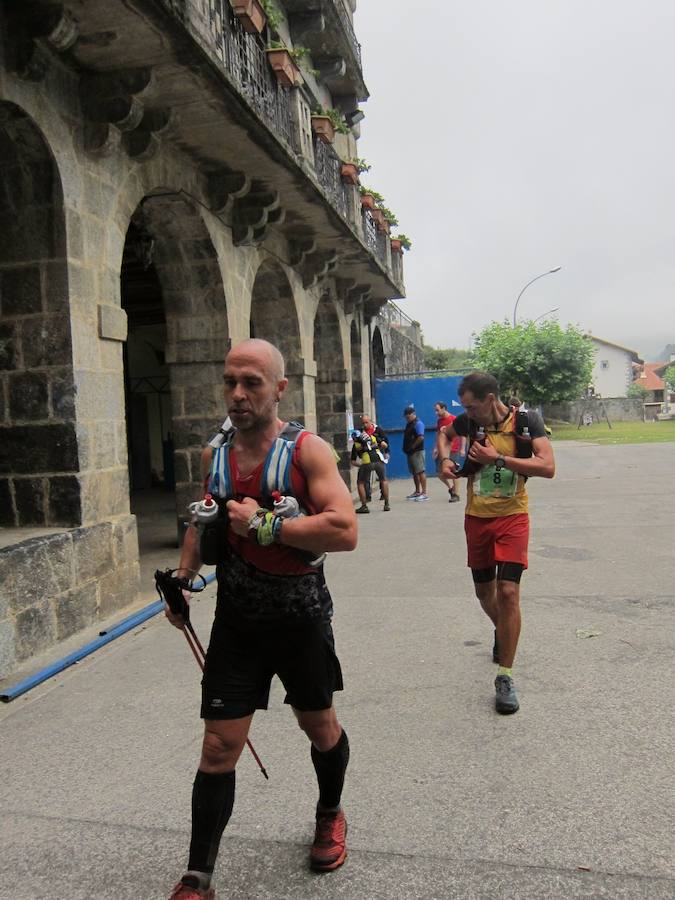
x=493 y=482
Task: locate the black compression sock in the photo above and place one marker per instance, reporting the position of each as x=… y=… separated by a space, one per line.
x=212 y=802
x=330 y=770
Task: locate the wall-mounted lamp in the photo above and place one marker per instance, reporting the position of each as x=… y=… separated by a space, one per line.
x=356 y=115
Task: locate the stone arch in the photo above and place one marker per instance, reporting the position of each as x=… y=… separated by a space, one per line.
x=39 y=458
x=377 y=350
x=274 y=318
x=331 y=381
x=173 y=294
x=357 y=368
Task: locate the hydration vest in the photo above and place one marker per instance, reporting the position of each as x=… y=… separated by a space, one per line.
x=276 y=473
x=521 y=423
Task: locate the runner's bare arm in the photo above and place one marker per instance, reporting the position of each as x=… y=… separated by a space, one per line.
x=541 y=463
x=190 y=563
x=445 y=435
x=333 y=528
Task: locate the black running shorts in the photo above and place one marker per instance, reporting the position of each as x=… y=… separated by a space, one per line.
x=242 y=659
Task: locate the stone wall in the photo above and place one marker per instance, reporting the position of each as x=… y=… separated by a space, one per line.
x=619 y=409
x=58 y=583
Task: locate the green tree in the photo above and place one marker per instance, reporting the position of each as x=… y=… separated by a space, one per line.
x=637 y=391
x=669 y=377
x=539 y=362
x=436 y=359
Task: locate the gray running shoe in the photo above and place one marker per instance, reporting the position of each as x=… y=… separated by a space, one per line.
x=506 y=700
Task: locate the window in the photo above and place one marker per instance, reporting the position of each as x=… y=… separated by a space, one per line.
x=604 y=364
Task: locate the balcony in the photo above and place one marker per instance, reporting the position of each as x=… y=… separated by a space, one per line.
x=325 y=27
x=185 y=73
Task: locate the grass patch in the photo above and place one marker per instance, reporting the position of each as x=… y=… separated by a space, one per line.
x=620 y=432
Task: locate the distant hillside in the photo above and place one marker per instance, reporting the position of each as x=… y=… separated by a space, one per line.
x=667 y=353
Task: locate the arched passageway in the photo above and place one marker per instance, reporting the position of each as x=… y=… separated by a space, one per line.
x=39 y=458
x=173 y=294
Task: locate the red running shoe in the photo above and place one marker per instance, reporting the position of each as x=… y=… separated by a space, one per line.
x=184 y=891
x=329 y=849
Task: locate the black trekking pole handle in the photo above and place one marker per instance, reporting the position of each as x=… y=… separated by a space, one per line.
x=170 y=589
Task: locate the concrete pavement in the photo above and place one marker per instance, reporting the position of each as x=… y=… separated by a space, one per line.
x=570 y=797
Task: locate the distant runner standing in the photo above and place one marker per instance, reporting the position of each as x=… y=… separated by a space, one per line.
x=500 y=459
x=446 y=418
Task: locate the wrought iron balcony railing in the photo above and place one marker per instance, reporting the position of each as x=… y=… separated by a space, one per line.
x=327 y=164
x=344 y=17
x=243 y=56
x=374 y=239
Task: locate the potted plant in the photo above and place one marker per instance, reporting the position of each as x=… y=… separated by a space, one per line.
x=352 y=168
x=283 y=61
x=369 y=197
x=323 y=128
x=379 y=218
x=400 y=243
x=325 y=122
x=273 y=13
x=251 y=14
x=389 y=216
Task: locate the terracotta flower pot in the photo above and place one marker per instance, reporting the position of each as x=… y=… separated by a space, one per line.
x=368 y=201
x=349 y=173
x=396 y=246
x=251 y=15
x=323 y=129
x=379 y=218
x=288 y=74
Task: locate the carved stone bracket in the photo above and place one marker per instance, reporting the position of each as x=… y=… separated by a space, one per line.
x=32 y=20
x=253 y=212
x=330 y=67
x=316 y=266
x=224 y=188
x=299 y=249
x=143 y=141
x=114 y=105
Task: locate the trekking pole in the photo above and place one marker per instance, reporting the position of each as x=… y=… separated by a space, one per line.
x=170 y=589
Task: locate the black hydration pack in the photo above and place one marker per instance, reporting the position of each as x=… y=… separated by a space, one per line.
x=521 y=433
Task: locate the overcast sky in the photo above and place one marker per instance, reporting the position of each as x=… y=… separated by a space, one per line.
x=510 y=138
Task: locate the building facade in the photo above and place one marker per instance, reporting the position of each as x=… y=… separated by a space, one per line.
x=164 y=193
x=612 y=368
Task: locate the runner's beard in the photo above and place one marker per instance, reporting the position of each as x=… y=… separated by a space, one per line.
x=247 y=420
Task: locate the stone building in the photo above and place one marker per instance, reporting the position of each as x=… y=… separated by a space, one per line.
x=163 y=194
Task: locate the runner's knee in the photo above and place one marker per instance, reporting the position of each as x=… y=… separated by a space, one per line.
x=219 y=750
x=508 y=593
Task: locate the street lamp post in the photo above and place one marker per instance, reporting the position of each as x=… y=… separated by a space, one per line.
x=555 y=309
x=543 y=274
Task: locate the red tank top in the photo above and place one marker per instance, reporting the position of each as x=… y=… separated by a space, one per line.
x=275 y=559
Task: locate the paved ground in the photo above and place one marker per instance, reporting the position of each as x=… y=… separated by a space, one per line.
x=571 y=797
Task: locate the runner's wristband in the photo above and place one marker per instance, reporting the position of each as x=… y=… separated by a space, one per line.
x=265 y=531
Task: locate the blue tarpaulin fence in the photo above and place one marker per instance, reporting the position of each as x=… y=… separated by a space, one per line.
x=392 y=395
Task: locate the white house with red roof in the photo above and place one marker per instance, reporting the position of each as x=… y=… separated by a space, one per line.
x=613 y=368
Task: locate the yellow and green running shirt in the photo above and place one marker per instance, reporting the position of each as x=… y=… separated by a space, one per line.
x=489 y=492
